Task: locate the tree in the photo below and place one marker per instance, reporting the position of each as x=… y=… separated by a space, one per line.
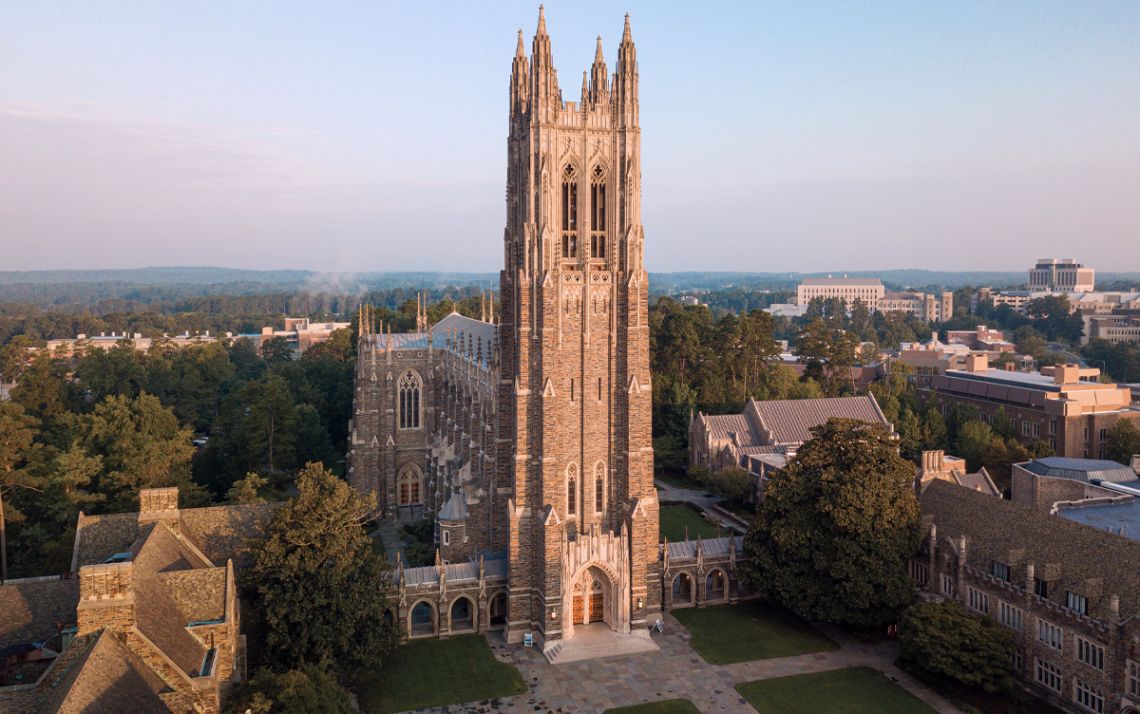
x=276 y=350
x=1122 y=441
x=835 y=530
x=247 y=491
x=321 y=587
x=943 y=638
x=298 y=691
x=974 y=438
x=17 y=436
x=910 y=434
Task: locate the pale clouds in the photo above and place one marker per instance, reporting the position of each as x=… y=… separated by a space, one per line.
x=85 y=185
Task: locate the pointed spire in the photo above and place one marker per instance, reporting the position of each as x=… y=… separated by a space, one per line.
x=585 y=87
x=598 y=58
x=626 y=35
x=542 y=21
x=520 y=52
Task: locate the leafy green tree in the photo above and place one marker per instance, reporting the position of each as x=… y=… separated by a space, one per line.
x=829 y=351
x=247 y=491
x=910 y=434
x=308 y=690
x=974 y=438
x=18 y=432
x=321 y=588
x=1122 y=441
x=734 y=483
x=943 y=638
x=141 y=444
x=276 y=351
x=934 y=434
x=834 y=532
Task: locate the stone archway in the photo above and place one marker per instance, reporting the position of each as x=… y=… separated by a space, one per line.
x=683 y=591
x=596 y=597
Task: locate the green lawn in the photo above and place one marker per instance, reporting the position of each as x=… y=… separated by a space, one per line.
x=435 y=673
x=841 y=691
x=668 y=706
x=676 y=480
x=675 y=517
x=749 y=631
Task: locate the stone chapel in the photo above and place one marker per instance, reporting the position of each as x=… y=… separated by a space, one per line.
x=525 y=436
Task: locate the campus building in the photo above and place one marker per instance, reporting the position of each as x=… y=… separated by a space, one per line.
x=1068 y=593
x=1064 y=406
x=526 y=436
x=1061 y=275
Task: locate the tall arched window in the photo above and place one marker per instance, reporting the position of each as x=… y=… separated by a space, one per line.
x=569 y=212
x=571 y=490
x=598 y=213
x=409 y=486
x=599 y=487
x=408 y=389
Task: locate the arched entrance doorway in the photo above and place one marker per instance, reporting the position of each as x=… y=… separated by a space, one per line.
x=590 y=598
x=682 y=590
x=595 y=600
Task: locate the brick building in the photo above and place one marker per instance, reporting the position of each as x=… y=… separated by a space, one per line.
x=1063 y=406
x=527 y=439
x=1068 y=593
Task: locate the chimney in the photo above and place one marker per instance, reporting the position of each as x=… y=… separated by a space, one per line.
x=933 y=461
x=106 y=598
x=977 y=362
x=158 y=504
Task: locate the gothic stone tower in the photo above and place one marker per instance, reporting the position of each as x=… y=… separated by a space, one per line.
x=574 y=393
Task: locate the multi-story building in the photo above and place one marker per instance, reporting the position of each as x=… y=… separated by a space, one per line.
x=868 y=290
x=1069 y=594
x=1112 y=328
x=527 y=440
x=930 y=308
x=1064 y=406
x=1061 y=275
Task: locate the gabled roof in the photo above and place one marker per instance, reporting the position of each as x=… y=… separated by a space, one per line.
x=1081 y=469
x=106 y=677
x=36 y=610
x=789 y=421
x=1071 y=556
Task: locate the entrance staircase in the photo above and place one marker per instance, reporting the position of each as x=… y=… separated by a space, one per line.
x=596 y=641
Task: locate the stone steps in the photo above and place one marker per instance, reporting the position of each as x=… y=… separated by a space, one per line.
x=596 y=644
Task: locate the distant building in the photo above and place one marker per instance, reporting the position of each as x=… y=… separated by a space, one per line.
x=1099 y=493
x=1112 y=328
x=930 y=308
x=1069 y=594
x=1061 y=275
x=982 y=339
x=869 y=290
x=783 y=309
x=771 y=431
x=1064 y=406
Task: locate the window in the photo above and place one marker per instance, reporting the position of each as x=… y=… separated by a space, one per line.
x=408 y=486
x=978 y=600
x=1132 y=674
x=1103 y=434
x=919 y=572
x=1076 y=603
x=599 y=389
x=1090 y=653
x=409 y=388
x=1050 y=634
x=598 y=213
x=1000 y=570
x=1087 y=696
x=1018 y=660
x=1040 y=587
x=947 y=585
x=1049 y=675
x=1036 y=431
x=571 y=389
x=599 y=488
x=569 y=213
x=1009 y=615
x=447 y=537
x=571 y=489
x=1025 y=427
x=1086 y=435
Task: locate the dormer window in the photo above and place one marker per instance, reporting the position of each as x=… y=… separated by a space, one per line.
x=1076 y=603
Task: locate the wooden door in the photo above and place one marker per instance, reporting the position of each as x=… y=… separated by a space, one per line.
x=596 y=607
x=579 y=608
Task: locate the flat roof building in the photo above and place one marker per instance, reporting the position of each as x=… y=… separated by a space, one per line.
x=1062 y=274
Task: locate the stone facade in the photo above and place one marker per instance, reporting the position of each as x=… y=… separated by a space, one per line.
x=528 y=438
x=1066 y=591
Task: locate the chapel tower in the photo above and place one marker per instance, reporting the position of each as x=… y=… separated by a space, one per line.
x=574 y=392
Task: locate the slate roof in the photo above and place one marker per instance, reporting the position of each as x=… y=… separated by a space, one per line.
x=1070 y=556
x=1081 y=469
x=36 y=610
x=107 y=677
x=711 y=547
x=789 y=421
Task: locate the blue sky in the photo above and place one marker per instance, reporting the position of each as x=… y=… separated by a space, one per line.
x=371 y=136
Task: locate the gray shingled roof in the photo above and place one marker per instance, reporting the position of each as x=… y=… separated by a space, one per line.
x=1071 y=556
x=36 y=610
x=789 y=421
x=1081 y=469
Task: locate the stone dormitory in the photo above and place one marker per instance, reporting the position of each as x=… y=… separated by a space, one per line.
x=147 y=619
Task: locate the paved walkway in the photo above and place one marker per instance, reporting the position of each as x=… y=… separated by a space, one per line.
x=675 y=672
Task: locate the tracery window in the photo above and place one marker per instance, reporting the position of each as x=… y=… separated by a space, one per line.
x=598 y=213
x=599 y=487
x=569 y=212
x=408 y=390
x=571 y=489
x=409 y=486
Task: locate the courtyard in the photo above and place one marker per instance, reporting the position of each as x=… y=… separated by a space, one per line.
x=680 y=521
x=674 y=680
x=751 y=630
x=838 y=691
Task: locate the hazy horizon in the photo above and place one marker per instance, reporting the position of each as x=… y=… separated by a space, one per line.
x=371 y=137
